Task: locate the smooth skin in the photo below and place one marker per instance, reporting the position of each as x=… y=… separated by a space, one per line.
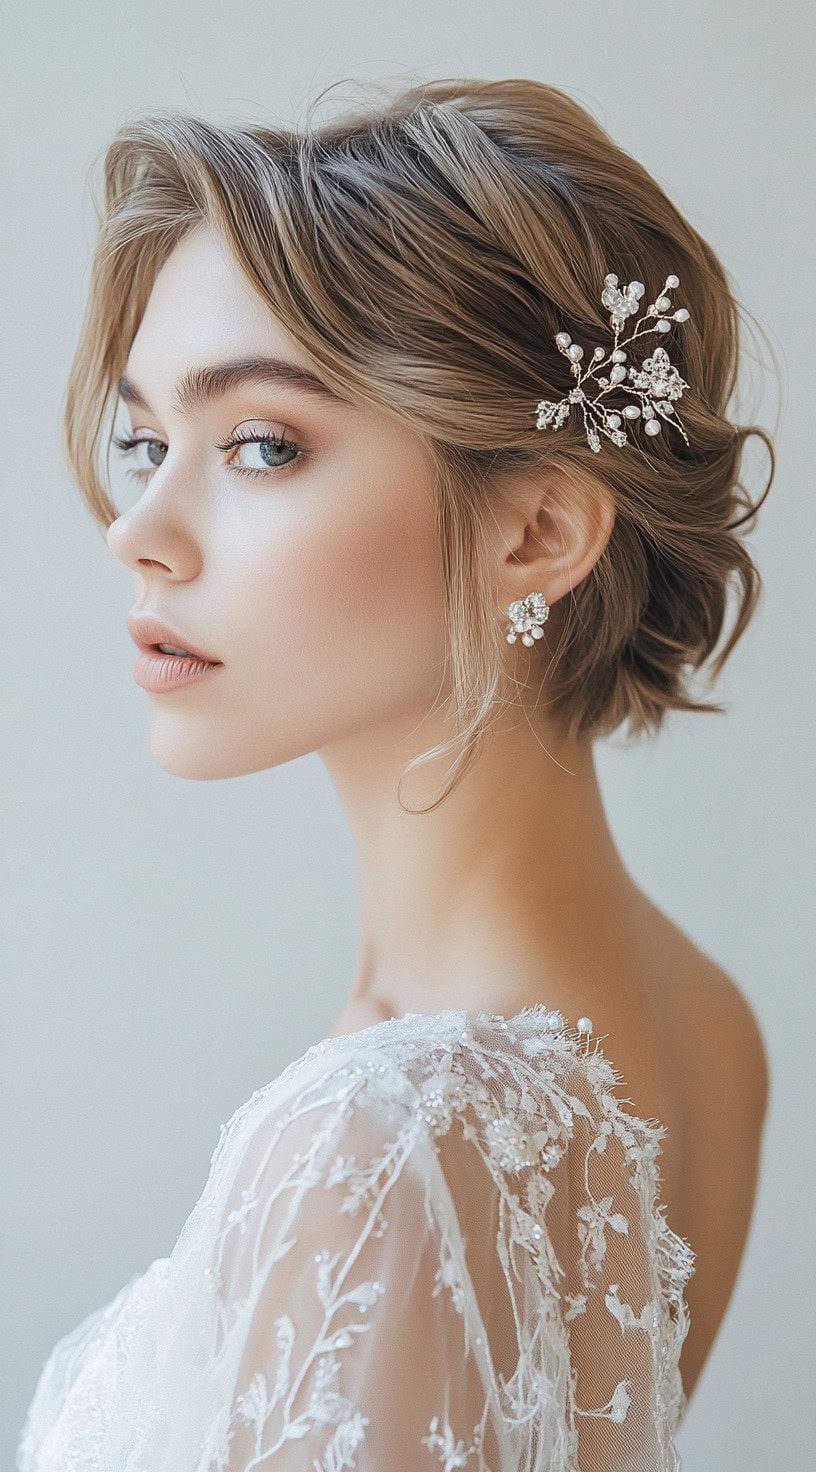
x=318 y=585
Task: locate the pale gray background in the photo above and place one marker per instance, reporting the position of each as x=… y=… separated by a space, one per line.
x=170 y=945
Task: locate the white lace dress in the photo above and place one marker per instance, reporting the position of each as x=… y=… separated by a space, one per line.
x=434 y=1243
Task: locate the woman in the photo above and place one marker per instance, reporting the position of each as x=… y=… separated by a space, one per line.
x=405 y=494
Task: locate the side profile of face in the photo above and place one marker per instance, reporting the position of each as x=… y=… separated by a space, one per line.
x=315 y=581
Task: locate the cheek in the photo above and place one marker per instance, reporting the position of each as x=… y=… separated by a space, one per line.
x=340 y=616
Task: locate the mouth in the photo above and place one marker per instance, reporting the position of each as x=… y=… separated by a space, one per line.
x=159 y=640
x=171 y=651
x=161 y=672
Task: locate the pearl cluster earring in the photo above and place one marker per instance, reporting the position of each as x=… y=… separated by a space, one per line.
x=527 y=617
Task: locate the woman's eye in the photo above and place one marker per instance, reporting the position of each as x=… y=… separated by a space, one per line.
x=256 y=454
x=148 y=454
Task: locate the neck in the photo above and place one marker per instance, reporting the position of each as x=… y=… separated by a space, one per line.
x=512 y=892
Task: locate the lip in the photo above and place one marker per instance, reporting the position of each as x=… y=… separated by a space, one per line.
x=161 y=673
x=147 y=631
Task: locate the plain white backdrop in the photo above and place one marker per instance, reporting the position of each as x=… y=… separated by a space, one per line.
x=167 y=945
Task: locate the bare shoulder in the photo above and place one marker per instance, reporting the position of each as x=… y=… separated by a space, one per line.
x=725 y=1082
x=724 y=1024
x=751 y=1051
x=711 y=1027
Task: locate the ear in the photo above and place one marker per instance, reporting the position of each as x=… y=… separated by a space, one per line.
x=548 y=534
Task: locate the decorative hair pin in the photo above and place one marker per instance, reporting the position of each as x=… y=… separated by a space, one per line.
x=656 y=383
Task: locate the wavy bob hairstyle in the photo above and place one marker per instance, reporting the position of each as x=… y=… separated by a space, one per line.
x=423 y=251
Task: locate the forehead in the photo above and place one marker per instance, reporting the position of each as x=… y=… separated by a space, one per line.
x=207 y=331
x=200 y=290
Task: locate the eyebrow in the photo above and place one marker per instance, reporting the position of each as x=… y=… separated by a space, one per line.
x=199 y=386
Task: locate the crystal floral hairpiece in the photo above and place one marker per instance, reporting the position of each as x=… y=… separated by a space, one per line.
x=656 y=383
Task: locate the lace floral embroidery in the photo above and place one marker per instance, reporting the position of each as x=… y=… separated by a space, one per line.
x=434 y=1243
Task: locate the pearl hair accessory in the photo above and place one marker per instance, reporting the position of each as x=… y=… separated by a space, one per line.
x=656 y=383
x=527 y=617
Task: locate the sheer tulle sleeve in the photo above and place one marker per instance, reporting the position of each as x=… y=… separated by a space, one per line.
x=338 y=1323
x=435 y=1245
x=461 y=1265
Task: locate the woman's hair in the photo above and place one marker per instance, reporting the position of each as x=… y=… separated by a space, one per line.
x=423 y=251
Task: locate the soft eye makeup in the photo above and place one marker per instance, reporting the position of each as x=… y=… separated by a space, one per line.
x=269 y=446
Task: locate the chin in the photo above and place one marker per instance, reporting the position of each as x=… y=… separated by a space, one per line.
x=185 y=749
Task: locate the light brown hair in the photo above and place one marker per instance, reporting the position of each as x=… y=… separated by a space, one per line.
x=423 y=250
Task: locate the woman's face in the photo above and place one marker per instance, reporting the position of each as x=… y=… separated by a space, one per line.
x=317 y=582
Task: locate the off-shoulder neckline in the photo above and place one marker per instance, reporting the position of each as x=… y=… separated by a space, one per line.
x=554 y=1025
x=549 y=1023
x=535 y=1010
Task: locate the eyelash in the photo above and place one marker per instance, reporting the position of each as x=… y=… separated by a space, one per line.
x=126 y=444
